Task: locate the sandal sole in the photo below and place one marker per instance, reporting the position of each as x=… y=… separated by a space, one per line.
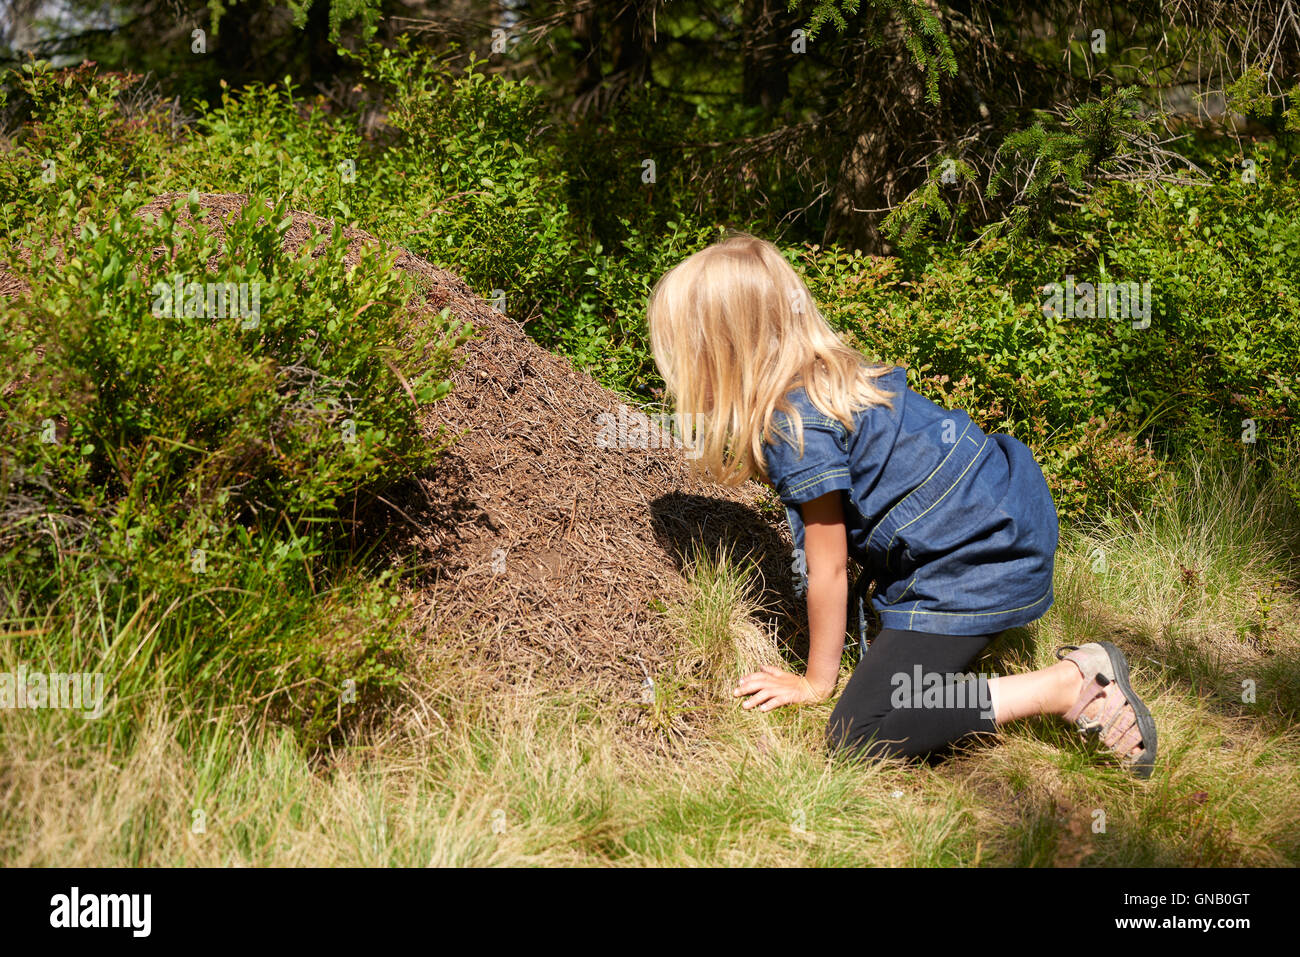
x=1145 y=762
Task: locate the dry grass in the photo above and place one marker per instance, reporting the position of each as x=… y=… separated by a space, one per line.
x=470 y=774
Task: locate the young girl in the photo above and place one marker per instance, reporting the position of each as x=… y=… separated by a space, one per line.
x=957 y=528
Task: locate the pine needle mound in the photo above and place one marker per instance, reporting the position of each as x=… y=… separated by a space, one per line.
x=541 y=552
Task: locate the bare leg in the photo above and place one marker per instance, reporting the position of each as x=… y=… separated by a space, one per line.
x=1051 y=690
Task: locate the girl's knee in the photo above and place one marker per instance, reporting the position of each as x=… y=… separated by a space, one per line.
x=847 y=732
x=863 y=734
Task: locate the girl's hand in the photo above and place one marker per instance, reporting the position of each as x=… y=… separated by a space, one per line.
x=773 y=687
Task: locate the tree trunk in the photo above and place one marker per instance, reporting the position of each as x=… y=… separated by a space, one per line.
x=766 y=52
x=588 y=71
x=888 y=104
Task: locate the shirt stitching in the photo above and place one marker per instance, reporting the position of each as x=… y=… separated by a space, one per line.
x=832 y=473
x=964 y=614
x=954 y=484
x=899 y=504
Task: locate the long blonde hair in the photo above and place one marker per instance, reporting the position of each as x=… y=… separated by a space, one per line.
x=733 y=328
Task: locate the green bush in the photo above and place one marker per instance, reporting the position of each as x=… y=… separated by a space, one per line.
x=205 y=448
x=77 y=137
x=466 y=176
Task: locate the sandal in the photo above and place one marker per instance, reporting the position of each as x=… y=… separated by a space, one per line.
x=1103 y=664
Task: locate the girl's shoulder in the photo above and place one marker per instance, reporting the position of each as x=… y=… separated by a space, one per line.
x=830 y=455
x=812 y=421
x=893 y=381
x=894 y=377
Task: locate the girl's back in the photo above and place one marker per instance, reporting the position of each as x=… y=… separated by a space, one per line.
x=957 y=527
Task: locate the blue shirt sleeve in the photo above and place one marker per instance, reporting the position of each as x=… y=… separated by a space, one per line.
x=824 y=466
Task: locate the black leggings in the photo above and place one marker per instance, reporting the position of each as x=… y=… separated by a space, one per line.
x=906 y=699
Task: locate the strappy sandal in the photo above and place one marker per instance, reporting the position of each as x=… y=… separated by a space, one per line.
x=1102 y=664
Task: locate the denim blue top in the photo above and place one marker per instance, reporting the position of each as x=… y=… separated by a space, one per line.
x=957 y=528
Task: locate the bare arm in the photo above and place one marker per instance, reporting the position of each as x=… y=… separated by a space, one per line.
x=826 y=550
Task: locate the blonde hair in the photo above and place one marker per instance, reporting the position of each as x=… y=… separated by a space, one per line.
x=733 y=329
